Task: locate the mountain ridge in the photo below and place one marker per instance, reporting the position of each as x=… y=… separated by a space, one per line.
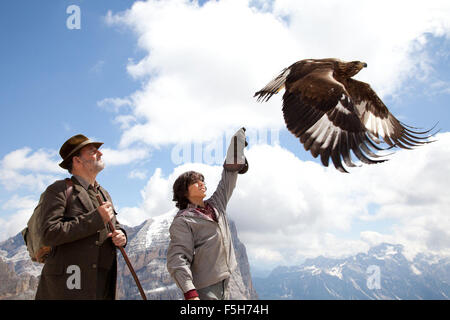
x=382 y=273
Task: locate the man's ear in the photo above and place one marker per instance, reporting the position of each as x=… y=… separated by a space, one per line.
x=76 y=159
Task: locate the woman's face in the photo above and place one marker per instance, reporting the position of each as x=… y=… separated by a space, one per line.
x=197 y=190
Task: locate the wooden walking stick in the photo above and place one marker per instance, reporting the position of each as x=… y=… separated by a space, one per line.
x=125 y=257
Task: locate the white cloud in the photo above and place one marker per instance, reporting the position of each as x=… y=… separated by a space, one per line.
x=138 y=174
x=157 y=194
x=205 y=66
x=21 y=159
x=286 y=209
x=204 y=63
x=24 y=168
x=115 y=157
x=314 y=203
x=98 y=67
x=32 y=170
x=22 y=209
x=17 y=202
x=387 y=35
x=115 y=103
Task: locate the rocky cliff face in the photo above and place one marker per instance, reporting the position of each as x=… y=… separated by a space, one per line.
x=19 y=276
x=146 y=249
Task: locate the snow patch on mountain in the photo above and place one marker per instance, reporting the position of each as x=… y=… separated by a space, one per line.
x=336 y=271
x=158 y=227
x=415 y=270
x=313 y=269
x=153 y=232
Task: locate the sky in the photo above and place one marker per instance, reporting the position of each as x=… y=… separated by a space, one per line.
x=165 y=84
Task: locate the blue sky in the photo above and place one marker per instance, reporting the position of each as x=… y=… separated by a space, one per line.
x=54 y=76
x=203 y=63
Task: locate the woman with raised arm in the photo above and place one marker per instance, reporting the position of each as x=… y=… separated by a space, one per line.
x=200 y=257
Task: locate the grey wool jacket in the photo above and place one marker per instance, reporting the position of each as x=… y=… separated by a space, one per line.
x=200 y=251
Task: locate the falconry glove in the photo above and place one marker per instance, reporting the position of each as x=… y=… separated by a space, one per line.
x=235 y=159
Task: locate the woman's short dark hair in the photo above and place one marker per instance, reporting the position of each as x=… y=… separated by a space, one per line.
x=181 y=185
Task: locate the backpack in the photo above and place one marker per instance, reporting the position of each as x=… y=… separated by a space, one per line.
x=32 y=234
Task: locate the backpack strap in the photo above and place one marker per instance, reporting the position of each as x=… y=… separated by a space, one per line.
x=103 y=195
x=68 y=193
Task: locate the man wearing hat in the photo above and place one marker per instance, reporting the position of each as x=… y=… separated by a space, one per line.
x=82 y=263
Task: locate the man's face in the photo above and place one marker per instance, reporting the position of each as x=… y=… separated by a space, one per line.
x=91 y=159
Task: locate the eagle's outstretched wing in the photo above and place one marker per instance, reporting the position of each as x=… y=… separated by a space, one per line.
x=273 y=87
x=377 y=119
x=318 y=110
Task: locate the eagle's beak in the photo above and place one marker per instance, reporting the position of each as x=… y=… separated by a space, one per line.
x=364 y=65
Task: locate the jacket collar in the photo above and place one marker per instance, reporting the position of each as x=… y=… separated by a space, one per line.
x=191 y=211
x=81 y=193
x=192 y=206
x=84 y=183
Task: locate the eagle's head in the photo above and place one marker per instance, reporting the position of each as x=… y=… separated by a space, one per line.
x=349 y=69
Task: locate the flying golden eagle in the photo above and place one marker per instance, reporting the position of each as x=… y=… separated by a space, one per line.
x=332 y=113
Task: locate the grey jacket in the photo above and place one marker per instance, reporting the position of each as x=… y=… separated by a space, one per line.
x=201 y=251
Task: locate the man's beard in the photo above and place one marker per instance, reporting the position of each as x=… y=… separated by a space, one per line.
x=94 y=165
x=99 y=165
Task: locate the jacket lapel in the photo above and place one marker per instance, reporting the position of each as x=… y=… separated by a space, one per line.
x=216 y=212
x=81 y=193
